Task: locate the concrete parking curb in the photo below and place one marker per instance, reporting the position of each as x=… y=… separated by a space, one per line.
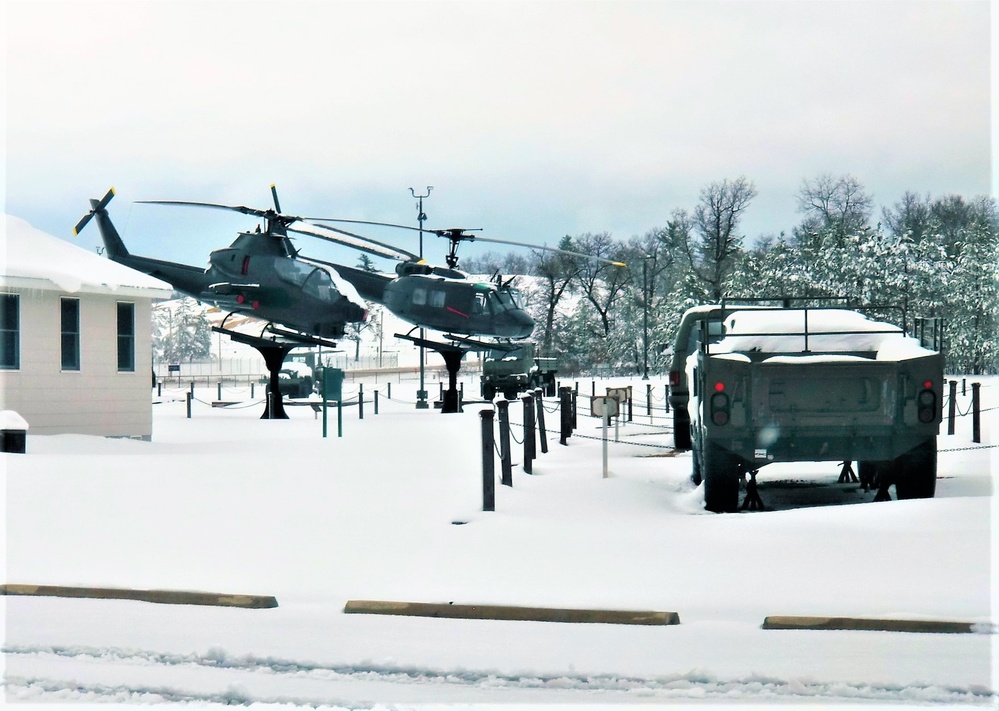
x=167 y=597
x=778 y=622
x=508 y=612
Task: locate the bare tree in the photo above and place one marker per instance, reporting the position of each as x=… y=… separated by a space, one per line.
x=557 y=270
x=712 y=252
x=836 y=206
x=602 y=283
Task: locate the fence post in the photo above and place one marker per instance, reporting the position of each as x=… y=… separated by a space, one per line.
x=631 y=402
x=976 y=414
x=565 y=414
x=530 y=447
x=952 y=407
x=220 y=390
x=506 y=468
x=488 y=470
x=648 y=399
x=540 y=406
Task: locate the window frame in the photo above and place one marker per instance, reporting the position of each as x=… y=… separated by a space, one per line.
x=125 y=341
x=71 y=337
x=13 y=332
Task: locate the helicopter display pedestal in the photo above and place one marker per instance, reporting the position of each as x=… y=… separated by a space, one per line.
x=452 y=355
x=274 y=356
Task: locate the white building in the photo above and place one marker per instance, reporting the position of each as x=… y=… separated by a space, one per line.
x=75 y=337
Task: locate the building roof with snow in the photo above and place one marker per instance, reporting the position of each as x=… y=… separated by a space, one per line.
x=32 y=259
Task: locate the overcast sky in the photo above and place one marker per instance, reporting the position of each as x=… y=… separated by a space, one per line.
x=531 y=120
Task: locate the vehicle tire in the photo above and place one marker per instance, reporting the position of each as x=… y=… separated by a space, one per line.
x=510 y=394
x=488 y=392
x=695 y=470
x=720 y=470
x=681 y=429
x=916 y=472
x=867 y=472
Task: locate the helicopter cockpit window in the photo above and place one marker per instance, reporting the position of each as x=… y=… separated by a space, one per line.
x=293 y=271
x=419 y=296
x=320 y=285
x=510 y=298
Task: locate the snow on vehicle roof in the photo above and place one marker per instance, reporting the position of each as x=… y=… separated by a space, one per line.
x=828 y=331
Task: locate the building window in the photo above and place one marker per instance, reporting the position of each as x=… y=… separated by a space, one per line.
x=10 y=332
x=70 y=333
x=126 y=337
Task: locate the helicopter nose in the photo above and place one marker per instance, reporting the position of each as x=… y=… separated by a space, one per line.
x=523 y=324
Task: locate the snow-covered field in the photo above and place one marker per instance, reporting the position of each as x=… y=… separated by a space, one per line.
x=226 y=502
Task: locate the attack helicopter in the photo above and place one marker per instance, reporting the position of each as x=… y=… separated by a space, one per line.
x=260 y=274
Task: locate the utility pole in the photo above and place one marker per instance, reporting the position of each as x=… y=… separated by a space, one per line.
x=421 y=216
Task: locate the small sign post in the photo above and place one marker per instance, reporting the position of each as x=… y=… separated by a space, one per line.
x=604 y=407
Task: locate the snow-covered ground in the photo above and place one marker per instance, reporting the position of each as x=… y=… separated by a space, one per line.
x=226 y=502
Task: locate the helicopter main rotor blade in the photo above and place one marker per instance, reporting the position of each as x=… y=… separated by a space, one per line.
x=550 y=249
x=256 y=212
x=355 y=241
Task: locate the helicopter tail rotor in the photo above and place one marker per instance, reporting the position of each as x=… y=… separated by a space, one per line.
x=96 y=206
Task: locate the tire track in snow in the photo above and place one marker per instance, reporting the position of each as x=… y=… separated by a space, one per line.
x=693 y=685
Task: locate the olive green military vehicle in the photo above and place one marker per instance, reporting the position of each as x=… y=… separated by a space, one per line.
x=757 y=385
x=515 y=371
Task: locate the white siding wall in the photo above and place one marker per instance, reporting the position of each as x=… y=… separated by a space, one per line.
x=97 y=399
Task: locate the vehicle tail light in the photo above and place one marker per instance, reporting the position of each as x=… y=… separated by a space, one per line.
x=719 y=408
x=926 y=403
x=674 y=378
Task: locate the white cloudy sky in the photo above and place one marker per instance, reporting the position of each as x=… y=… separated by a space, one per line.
x=530 y=119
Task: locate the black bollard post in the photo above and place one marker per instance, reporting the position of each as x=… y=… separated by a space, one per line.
x=631 y=402
x=192 y=388
x=159 y=389
x=666 y=396
x=540 y=407
x=952 y=407
x=376 y=402
x=389 y=393
x=189 y=406
x=506 y=466
x=648 y=399
x=530 y=448
x=251 y=390
x=575 y=400
x=565 y=415
x=964 y=387
x=488 y=470
x=976 y=414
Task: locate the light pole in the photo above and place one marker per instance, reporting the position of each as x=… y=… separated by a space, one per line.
x=421 y=394
x=645 y=314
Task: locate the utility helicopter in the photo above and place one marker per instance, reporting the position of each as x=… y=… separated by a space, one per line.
x=443 y=298
x=260 y=274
